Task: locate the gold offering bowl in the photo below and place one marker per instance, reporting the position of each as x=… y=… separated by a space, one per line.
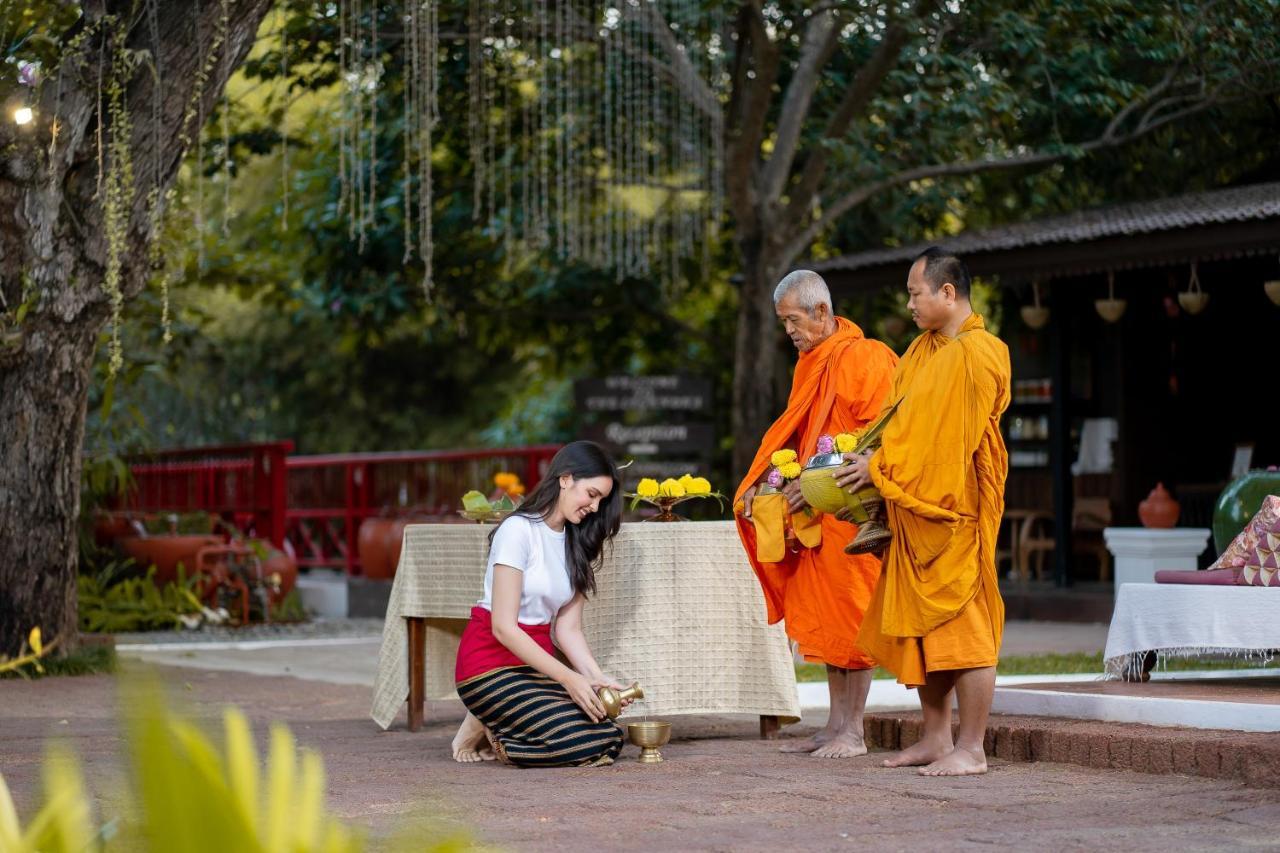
x=821 y=492
x=649 y=735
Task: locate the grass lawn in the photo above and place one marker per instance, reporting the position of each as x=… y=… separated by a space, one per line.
x=1055 y=664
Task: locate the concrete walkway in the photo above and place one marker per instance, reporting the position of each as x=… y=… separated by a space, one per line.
x=351 y=656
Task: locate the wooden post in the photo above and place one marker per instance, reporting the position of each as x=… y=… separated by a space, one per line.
x=768 y=727
x=417 y=666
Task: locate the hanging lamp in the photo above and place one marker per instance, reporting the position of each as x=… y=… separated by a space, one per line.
x=1110 y=309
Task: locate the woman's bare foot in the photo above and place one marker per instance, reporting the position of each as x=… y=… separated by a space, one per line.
x=958 y=762
x=844 y=745
x=815 y=741
x=921 y=753
x=470 y=744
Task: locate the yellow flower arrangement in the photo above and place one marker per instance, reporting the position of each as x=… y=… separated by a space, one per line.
x=672 y=491
x=847 y=441
x=698 y=487
x=790 y=470
x=670 y=488
x=782 y=457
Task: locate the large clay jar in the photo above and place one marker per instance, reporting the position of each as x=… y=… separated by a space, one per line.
x=371 y=546
x=395 y=539
x=166 y=552
x=1238 y=503
x=1159 y=509
x=280 y=563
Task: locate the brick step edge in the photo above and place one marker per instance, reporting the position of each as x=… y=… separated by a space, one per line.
x=1250 y=757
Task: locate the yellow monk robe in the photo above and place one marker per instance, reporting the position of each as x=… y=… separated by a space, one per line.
x=838 y=386
x=941 y=468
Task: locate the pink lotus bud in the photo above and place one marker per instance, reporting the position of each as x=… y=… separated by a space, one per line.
x=826 y=444
x=775 y=478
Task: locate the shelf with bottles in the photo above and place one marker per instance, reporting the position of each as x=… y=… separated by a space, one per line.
x=1032 y=392
x=1028 y=458
x=1027 y=428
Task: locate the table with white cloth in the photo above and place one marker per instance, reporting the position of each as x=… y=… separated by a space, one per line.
x=1189 y=620
x=677 y=608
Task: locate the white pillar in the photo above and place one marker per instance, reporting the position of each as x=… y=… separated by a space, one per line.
x=1140 y=551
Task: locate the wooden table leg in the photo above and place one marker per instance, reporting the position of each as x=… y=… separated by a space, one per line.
x=417 y=666
x=768 y=727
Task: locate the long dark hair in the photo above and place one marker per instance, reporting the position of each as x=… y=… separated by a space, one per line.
x=583 y=542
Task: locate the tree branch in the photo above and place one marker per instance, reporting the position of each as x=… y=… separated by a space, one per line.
x=863 y=88
x=749 y=104
x=1108 y=139
x=685 y=75
x=818 y=44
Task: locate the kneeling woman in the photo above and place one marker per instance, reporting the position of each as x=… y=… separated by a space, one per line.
x=532 y=709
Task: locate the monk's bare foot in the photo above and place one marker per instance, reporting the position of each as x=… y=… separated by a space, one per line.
x=470 y=744
x=958 y=762
x=843 y=745
x=922 y=753
x=809 y=744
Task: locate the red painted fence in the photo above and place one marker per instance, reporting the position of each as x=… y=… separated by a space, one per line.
x=312 y=506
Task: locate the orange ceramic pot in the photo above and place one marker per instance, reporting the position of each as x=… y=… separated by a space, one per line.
x=280 y=563
x=167 y=552
x=371 y=545
x=1159 y=510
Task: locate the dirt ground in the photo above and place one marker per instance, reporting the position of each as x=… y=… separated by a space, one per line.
x=719 y=789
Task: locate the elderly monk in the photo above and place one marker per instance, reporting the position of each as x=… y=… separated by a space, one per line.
x=936 y=618
x=840 y=384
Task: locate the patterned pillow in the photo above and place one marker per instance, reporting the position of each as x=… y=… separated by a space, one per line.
x=1254 y=550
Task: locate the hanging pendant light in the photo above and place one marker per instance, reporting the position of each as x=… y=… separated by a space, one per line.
x=1035 y=315
x=1193 y=300
x=1272 y=289
x=1110 y=309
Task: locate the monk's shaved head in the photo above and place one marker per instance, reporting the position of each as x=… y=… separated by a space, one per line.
x=806 y=288
x=942 y=267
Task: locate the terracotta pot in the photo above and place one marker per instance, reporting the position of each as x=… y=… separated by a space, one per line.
x=1159 y=509
x=395 y=538
x=166 y=552
x=278 y=562
x=371 y=546
x=108 y=527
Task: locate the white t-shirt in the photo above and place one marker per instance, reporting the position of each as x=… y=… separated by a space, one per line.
x=537 y=551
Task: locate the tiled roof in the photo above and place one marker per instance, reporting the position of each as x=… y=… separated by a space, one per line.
x=1239 y=204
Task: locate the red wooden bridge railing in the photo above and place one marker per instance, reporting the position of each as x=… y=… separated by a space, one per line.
x=312 y=506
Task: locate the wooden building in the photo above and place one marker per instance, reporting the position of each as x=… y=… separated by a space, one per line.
x=1185 y=383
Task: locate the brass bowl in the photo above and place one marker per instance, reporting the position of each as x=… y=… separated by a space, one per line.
x=649 y=735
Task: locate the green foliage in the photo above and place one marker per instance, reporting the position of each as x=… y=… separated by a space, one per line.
x=111 y=601
x=188 y=795
x=290 y=609
x=86 y=660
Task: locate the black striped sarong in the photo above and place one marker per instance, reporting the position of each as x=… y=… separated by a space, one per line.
x=534 y=721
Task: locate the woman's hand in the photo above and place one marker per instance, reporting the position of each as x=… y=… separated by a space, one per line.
x=583 y=693
x=601 y=680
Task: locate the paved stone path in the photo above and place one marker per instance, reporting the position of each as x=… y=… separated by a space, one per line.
x=720 y=788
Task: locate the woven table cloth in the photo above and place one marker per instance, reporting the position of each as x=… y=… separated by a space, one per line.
x=677 y=608
x=1186 y=620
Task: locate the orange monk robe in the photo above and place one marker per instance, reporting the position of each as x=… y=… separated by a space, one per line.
x=941 y=468
x=838 y=386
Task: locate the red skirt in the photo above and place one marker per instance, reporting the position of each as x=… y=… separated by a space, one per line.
x=480 y=652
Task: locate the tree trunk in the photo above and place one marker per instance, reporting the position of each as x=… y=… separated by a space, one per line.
x=53 y=257
x=756 y=363
x=42 y=410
